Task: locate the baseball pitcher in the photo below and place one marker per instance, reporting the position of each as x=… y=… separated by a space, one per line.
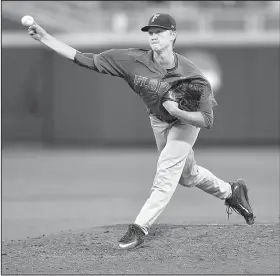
x=179 y=102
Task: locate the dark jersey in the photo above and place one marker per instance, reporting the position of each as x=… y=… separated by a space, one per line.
x=146 y=77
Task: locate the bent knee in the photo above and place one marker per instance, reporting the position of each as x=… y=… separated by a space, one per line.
x=187 y=181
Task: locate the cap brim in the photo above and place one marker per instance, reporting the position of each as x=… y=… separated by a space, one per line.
x=146 y=28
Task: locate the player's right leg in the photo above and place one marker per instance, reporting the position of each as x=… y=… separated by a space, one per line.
x=197 y=176
x=235 y=194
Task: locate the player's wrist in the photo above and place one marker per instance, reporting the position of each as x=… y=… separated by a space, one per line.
x=45 y=37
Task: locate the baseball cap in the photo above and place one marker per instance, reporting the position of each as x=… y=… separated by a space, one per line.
x=162 y=20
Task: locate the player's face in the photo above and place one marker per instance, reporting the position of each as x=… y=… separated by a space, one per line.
x=160 y=38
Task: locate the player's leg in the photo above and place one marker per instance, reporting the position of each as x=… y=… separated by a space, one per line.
x=169 y=170
x=194 y=175
x=170 y=165
x=135 y=233
x=234 y=194
x=160 y=130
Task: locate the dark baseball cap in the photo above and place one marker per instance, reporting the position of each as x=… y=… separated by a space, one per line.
x=162 y=20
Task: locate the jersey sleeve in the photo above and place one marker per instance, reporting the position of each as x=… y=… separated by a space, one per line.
x=207 y=100
x=85 y=60
x=206 y=104
x=208 y=118
x=113 y=62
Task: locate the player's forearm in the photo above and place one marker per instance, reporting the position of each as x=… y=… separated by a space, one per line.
x=192 y=118
x=59 y=47
x=202 y=119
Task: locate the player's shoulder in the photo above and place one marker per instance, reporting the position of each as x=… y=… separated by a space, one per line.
x=185 y=61
x=127 y=53
x=188 y=68
x=136 y=52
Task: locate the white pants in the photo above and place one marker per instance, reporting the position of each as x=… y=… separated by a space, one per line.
x=176 y=164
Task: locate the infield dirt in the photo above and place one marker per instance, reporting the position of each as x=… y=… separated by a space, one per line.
x=168 y=249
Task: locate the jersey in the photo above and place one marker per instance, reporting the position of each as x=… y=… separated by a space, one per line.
x=146 y=78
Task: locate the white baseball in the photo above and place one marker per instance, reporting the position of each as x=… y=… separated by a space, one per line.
x=27 y=20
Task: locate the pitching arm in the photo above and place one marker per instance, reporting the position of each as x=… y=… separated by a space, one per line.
x=84 y=60
x=59 y=47
x=39 y=34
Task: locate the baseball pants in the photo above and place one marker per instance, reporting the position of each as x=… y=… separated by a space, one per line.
x=176 y=164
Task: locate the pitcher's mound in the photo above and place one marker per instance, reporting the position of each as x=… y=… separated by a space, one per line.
x=168 y=249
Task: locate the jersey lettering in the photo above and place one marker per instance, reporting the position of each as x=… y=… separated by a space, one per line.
x=151 y=84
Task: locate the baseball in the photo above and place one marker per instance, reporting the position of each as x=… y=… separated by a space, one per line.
x=27 y=20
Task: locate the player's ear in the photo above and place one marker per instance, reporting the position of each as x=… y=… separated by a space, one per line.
x=173 y=34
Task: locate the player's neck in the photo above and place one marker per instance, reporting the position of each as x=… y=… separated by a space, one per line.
x=165 y=58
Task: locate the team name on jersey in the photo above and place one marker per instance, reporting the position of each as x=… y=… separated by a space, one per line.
x=150 y=84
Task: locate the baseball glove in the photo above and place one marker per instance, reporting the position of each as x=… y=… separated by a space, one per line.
x=186 y=92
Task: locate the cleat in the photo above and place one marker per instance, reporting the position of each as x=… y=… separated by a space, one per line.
x=239 y=202
x=132 y=238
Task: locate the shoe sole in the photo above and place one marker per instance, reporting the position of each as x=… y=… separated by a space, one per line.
x=242 y=182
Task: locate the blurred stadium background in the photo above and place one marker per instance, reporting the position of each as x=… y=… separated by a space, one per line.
x=49 y=102
x=47 y=99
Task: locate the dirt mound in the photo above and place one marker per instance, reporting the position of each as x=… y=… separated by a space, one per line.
x=168 y=249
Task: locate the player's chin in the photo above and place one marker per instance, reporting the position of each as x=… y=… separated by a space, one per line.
x=155 y=47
